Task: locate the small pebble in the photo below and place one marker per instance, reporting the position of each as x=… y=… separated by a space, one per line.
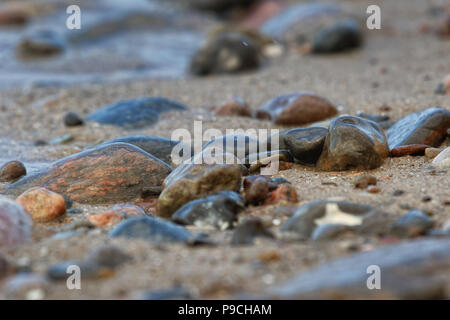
x=398 y=193
x=373 y=189
x=11 y=171
x=72 y=119
x=364 y=181
x=43 y=205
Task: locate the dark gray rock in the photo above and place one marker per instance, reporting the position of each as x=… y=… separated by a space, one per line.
x=218 y=211
x=412 y=270
x=135 y=113
x=306 y=144
x=228 y=52
x=72 y=119
x=329 y=231
x=424 y=127
x=152 y=229
x=341 y=36
x=353 y=143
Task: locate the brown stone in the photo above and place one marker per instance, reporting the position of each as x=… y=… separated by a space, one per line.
x=115 y=215
x=112 y=173
x=409 y=150
x=373 y=189
x=11 y=171
x=43 y=205
x=365 y=180
x=235 y=107
x=191 y=181
x=353 y=143
x=284 y=194
x=296 y=109
x=15 y=223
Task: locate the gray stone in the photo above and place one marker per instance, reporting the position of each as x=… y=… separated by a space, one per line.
x=219 y=211
x=135 y=113
x=306 y=144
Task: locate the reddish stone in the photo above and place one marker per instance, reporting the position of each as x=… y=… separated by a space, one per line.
x=235 y=107
x=296 y=109
x=409 y=150
x=15 y=223
x=365 y=180
x=11 y=171
x=115 y=215
x=43 y=205
x=111 y=173
x=284 y=193
x=257 y=191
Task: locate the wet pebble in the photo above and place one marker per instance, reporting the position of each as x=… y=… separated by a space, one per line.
x=234 y=107
x=353 y=142
x=339 y=37
x=11 y=171
x=427 y=127
x=296 y=109
x=227 y=52
x=256 y=189
x=72 y=119
x=246 y=232
x=111 y=173
x=135 y=113
x=15 y=223
x=219 y=211
x=191 y=181
x=306 y=144
x=43 y=205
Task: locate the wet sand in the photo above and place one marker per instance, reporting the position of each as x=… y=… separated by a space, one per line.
x=398 y=66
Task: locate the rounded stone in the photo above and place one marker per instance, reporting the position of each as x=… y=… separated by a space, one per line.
x=442 y=160
x=72 y=119
x=306 y=144
x=12 y=170
x=43 y=205
x=296 y=109
x=353 y=143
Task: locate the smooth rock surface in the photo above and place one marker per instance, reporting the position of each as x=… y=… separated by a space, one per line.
x=442 y=160
x=353 y=143
x=11 y=171
x=111 y=173
x=306 y=144
x=219 y=211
